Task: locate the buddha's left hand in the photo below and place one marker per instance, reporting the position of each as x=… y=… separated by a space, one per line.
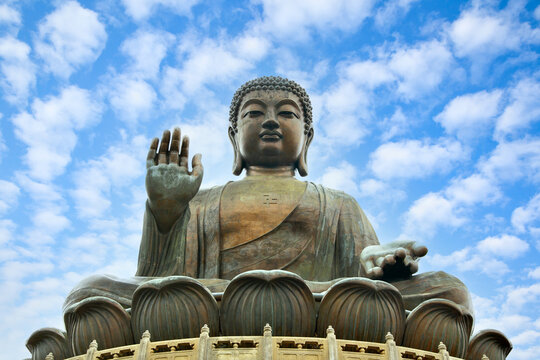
x=392 y=261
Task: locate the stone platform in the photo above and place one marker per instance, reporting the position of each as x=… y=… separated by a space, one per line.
x=266 y=347
x=368 y=317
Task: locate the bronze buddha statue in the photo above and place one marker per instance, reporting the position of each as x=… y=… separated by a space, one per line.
x=269 y=220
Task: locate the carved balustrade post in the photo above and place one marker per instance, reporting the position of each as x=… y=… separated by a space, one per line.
x=267 y=347
x=391 y=347
x=332 y=343
x=90 y=353
x=204 y=343
x=144 y=346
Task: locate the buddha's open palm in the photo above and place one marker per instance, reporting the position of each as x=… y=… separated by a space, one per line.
x=169 y=183
x=392 y=261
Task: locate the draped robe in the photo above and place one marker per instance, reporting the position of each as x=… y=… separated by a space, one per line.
x=320 y=239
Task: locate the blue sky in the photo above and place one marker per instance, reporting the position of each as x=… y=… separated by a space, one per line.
x=427 y=112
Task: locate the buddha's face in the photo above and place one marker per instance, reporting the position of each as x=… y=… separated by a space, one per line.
x=270 y=129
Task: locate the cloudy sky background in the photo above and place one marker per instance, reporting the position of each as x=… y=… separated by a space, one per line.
x=426 y=111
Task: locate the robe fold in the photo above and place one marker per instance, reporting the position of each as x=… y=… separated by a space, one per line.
x=320 y=240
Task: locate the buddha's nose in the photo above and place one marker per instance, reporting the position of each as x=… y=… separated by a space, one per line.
x=270 y=121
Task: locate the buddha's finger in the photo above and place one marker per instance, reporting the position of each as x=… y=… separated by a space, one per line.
x=368 y=265
x=175 y=146
x=151 y=157
x=382 y=261
x=412 y=265
x=420 y=250
x=185 y=152
x=164 y=147
x=375 y=273
x=197 y=165
x=400 y=253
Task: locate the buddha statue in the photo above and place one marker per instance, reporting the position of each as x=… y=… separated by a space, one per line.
x=268 y=220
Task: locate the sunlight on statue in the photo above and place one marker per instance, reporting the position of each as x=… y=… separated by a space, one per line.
x=268 y=220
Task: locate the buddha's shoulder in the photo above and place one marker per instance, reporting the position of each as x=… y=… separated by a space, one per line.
x=207 y=195
x=337 y=195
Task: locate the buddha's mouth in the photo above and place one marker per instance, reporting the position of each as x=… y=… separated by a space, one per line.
x=271 y=136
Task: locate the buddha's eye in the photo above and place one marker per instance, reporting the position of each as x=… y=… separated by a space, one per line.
x=253 y=113
x=288 y=114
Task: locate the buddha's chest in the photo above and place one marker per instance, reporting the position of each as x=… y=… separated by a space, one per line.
x=251 y=208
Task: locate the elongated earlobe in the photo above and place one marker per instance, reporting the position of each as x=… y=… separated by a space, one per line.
x=238 y=164
x=302 y=161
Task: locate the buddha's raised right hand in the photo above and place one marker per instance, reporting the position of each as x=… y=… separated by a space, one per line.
x=169 y=183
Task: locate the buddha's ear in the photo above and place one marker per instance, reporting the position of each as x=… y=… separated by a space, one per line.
x=238 y=164
x=302 y=161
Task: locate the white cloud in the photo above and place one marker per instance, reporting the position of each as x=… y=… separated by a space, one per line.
x=523 y=216
x=379 y=190
x=484 y=33
x=370 y=74
x=534 y=273
x=146 y=50
x=50 y=220
x=18 y=71
x=470 y=259
x=523 y=109
x=344 y=114
x=207 y=61
x=421 y=68
x=8 y=195
x=95 y=179
x=511 y=161
x=470 y=115
x=472 y=190
x=142 y=9
x=341 y=177
x=44 y=193
x=505 y=246
x=49 y=131
x=70 y=37
x=132 y=99
x=295 y=20
x=9 y=15
x=390 y=12
x=486 y=257
x=429 y=212
x=20 y=270
x=7 y=227
x=518 y=297
x=411 y=71
x=414 y=158
x=396 y=125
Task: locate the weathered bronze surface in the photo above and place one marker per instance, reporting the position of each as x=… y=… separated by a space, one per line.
x=184 y=303
x=257 y=297
x=48 y=340
x=439 y=320
x=97 y=318
x=268 y=220
x=491 y=343
x=362 y=309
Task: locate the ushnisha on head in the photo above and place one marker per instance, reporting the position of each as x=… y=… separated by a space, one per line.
x=270 y=125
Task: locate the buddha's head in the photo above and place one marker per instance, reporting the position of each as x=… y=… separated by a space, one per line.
x=270 y=125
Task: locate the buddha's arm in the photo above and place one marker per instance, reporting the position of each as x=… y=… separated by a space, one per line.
x=169 y=183
x=162 y=254
x=354 y=234
x=361 y=254
x=170 y=187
